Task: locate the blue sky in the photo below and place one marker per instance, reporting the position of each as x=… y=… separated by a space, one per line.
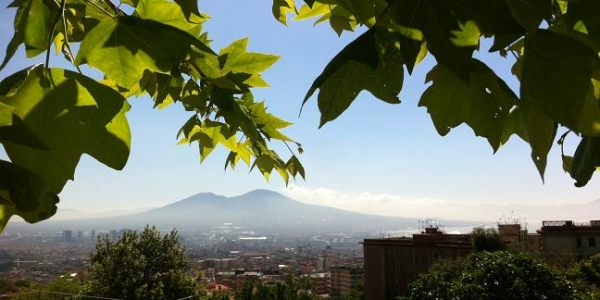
x=379 y=158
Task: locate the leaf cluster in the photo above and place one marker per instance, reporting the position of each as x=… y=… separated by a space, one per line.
x=487 y=239
x=494 y=275
x=144 y=265
x=50 y=117
x=553 y=47
x=278 y=291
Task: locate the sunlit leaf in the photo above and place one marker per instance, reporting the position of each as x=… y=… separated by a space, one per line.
x=236 y=59
x=33 y=27
x=72 y=114
x=484 y=104
x=171 y=14
x=281 y=8
x=308 y=12
x=133 y=46
x=358 y=67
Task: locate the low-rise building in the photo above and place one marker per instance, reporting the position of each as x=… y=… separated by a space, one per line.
x=566 y=236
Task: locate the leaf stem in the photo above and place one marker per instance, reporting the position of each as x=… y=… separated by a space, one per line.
x=66 y=43
x=61 y=11
x=101 y=8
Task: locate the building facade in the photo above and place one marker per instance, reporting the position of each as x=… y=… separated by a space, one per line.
x=392 y=263
x=344 y=279
x=563 y=237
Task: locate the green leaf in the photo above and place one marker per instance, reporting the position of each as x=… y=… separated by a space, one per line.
x=451 y=45
x=493 y=17
x=341 y=19
x=585 y=160
x=33 y=27
x=364 y=11
x=19 y=133
x=359 y=67
x=557 y=80
x=540 y=134
x=281 y=8
x=6 y=114
x=236 y=59
x=295 y=167
x=309 y=12
x=190 y=9
x=268 y=123
x=134 y=45
x=484 y=104
x=531 y=13
x=172 y=14
x=585 y=13
x=25 y=194
x=72 y=114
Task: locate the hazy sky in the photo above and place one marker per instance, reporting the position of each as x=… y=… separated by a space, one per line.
x=379 y=158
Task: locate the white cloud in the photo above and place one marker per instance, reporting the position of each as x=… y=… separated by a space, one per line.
x=396 y=205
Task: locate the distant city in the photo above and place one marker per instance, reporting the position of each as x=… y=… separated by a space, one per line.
x=262 y=235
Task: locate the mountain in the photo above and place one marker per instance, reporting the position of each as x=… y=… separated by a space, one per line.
x=260 y=211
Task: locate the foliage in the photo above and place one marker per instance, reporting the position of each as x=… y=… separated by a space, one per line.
x=356 y=293
x=494 y=275
x=553 y=47
x=50 y=117
x=290 y=290
x=65 y=284
x=587 y=273
x=145 y=265
x=487 y=239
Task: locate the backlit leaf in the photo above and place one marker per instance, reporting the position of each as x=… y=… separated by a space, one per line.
x=585 y=160
x=236 y=59
x=530 y=13
x=540 y=132
x=439 y=27
x=25 y=194
x=484 y=104
x=281 y=8
x=72 y=114
x=33 y=27
x=557 y=80
x=171 y=14
x=359 y=67
x=124 y=47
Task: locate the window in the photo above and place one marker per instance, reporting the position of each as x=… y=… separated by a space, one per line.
x=592 y=242
x=578 y=242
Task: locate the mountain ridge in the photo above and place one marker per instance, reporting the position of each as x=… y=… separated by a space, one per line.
x=260 y=211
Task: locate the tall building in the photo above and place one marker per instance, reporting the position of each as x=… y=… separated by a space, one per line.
x=67 y=236
x=392 y=263
x=562 y=237
x=344 y=279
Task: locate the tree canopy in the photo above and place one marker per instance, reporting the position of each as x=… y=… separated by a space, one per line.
x=487 y=239
x=50 y=116
x=493 y=275
x=145 y=265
